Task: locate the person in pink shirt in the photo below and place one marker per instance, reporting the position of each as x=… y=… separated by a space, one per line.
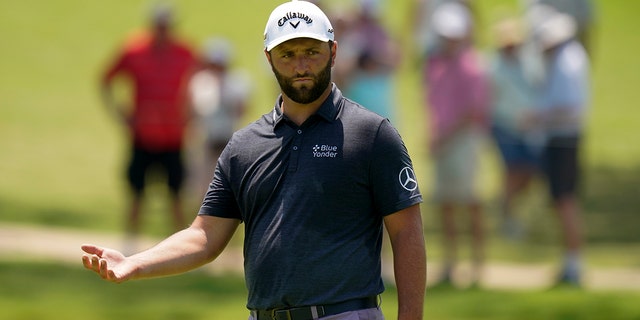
x=457 y=94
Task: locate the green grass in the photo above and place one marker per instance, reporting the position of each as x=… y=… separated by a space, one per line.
x=51 y=291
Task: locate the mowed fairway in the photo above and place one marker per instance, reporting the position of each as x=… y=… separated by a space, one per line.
x=61 y=163
x=50 y=291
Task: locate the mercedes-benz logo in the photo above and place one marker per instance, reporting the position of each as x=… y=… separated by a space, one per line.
x=408 y=179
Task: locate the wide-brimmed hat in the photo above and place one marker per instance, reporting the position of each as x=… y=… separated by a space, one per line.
x=508 y=32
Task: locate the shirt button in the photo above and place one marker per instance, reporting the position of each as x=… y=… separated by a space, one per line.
x=295 y=148
x=299 y=131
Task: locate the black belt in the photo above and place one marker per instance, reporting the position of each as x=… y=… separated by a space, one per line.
x=315 y=312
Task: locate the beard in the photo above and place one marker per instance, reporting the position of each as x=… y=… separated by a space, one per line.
x=305 y=94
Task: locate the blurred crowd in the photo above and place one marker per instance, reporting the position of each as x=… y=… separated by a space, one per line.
x=527 y=92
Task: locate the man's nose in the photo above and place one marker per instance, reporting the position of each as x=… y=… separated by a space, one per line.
x=301 y=64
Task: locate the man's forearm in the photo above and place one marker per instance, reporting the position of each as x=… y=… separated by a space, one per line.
x=181 y=252
x=410 y=274
x=185 y=250
x=110 y=103
x=410 y=261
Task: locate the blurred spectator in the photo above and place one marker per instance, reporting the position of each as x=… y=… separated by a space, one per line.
x=583 y=13
x=369 y=58
x=157 y=65
x=514 y=129
x=458 y=97
x=564 y=100
x=219 y=95
x=425 y=38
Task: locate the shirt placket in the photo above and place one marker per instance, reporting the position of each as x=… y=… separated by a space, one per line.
x=296 y=148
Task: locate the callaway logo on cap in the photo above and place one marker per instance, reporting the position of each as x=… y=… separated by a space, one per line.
x=296 y=19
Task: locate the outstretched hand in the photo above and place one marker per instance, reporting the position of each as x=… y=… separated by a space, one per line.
x=110 y=264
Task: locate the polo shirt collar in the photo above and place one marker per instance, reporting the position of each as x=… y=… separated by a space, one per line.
x=327 y=111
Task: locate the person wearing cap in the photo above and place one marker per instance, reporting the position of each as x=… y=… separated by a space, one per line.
x=219 y=93
x=425 y=39
x=457 y=96
x=314 y=181
x=369 y=58
x=563 y=103
x=514 y=129
x=157 y=64
x=584 y=14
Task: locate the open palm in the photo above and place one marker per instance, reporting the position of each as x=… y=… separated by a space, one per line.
x=110 y=264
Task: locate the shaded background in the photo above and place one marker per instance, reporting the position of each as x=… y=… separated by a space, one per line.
x=61 y=152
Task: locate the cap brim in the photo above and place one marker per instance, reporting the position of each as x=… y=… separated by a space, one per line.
x=556 y=31
x=288 y=37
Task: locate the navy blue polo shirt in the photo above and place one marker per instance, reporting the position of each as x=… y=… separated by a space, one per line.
x=312 y=199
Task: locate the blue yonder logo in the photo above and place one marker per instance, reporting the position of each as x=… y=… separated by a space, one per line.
x=325 y=151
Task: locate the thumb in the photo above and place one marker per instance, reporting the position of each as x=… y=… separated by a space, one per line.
x=91 y=249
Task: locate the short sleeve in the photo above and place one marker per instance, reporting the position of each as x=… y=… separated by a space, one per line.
x=393 y=179
x=219 y=200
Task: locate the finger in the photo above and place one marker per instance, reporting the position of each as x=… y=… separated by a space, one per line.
x=103 y=269
x=95 y=263
x=91 y=249
x=86 y=261
x=112 y=276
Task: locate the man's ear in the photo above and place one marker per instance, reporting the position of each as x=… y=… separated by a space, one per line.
x=266 y=53
x=334 y=48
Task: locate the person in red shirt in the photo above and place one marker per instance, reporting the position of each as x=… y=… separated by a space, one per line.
x=157 y=65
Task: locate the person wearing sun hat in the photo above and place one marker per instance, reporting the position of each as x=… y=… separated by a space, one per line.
x=563 y=102
x=514 y=129
x=315 y=182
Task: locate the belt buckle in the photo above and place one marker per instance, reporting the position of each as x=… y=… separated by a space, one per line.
x=315 y=312
x=275 y=314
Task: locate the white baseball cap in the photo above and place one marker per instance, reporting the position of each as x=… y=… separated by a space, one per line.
x=452 y=20
x=296 y=19
x=555 y=30
x=218 y=51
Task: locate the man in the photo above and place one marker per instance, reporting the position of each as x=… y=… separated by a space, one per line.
x=219 y=94
x=564 y=100
x=584 y=14
x=157 y=65
x=370 y=57
x=518 y=137
x=457 y=95
x=314 y=181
